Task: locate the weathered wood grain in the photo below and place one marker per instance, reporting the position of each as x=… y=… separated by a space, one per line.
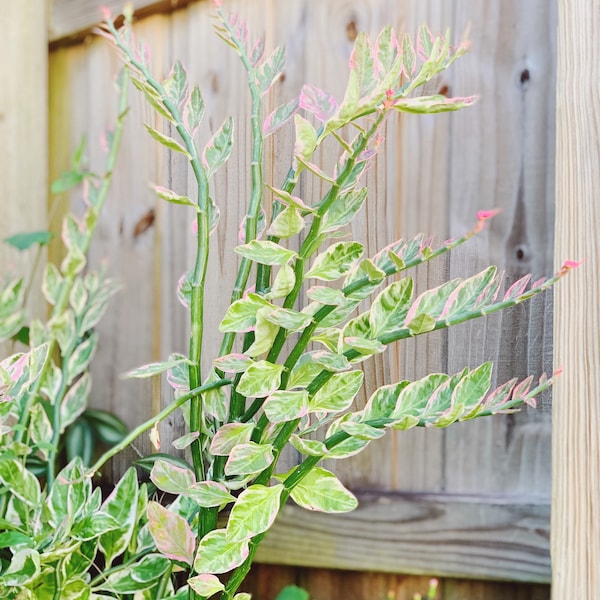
x=23 y=135
x=475 y=537
x=576 y=445
x=501 y=155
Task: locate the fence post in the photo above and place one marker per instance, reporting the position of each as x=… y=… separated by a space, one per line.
x=23 y=128
x=575 y=528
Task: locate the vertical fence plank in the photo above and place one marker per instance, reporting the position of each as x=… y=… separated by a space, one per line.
x=576 y=444
x=23 y=130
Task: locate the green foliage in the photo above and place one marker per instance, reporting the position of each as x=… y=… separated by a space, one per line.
x=285 y=373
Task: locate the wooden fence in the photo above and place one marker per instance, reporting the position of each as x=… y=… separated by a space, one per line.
x=468 y=504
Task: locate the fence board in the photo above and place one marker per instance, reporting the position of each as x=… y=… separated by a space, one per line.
x=23 y=131
x=576 y=447
x=491 y=538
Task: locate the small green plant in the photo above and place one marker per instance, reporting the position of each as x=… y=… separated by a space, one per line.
x=284 y=371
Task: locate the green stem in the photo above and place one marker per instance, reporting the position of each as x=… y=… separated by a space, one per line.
x=163 y=414
x=67 y=285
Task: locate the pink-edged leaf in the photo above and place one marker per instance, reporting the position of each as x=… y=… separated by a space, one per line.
x=233 y=363
x=431 y=302
x=289 y=200
x=280 y=116
x=258 y=51
x=194 y=109
x=317 y=102
x=171 y=533
x=218 y=149
x=498 y=397
x=433 y=104
x=468 y=294
x=362 y=63
x=387 y=50
x=425 y=42
x=408 y=55
x=522 y=389
x=206 y=585
x=171 y=478
x=270 y=70
x=517 y=288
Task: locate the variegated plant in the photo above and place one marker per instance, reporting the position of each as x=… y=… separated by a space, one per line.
x=285 y=373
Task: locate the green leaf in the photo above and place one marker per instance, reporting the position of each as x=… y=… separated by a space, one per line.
x=209 y=493
x=205 y=585
x=218 y=149
x=472 y=388
x=152 y=369
x=81 y=357
x=22 y=241
x=153 y=99
x=230 y=435
x=421 y=324
x=260 y=379
x=108 y=428
x=67 y=181
x=79 y=441
x=338 y=393
x=40 y=429
x=78 y=297
x=413 y=398
x=286 y=405
x=167 y=141
x=306 y=137
x=290 y=200
x=216 y=402
x=472 y=293
x=265 y=333
x=175 y=85
x=24 y=568
x=171 y=533
x=10 y=539
x=75 y=401
x=121 y=504
x=233 y=363
x=183 y=442
x=281 y=115
x=265 y=252
x=254 y=512
x=317 y=102
x=21 y=483
x=93 y=526
x=249 y=458
x=362 y=431
x=287 y=223
x=382 y=402
x=335 y=261
x=390 y=308
x=361 y=62
x=321 y=490
x=171 y=478
x=241 y=315
x=308 y=447
x=433 y=104
x=343 y=210
x=270 y=69
x=284 y=282
x=73 y=262
x=194 y=109
x=142 y=575
x=292 y=592
x=219 y=554
x=174 y=198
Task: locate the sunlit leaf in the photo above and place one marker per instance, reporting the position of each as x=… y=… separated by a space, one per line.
x=230 y=435
x=249 y=458
x=338 y=393
x=260 y=379
x=219 y=554
x=335 y=261
x=254 y=512
x=265 y=252
x=321 y=490
x=171 y=478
